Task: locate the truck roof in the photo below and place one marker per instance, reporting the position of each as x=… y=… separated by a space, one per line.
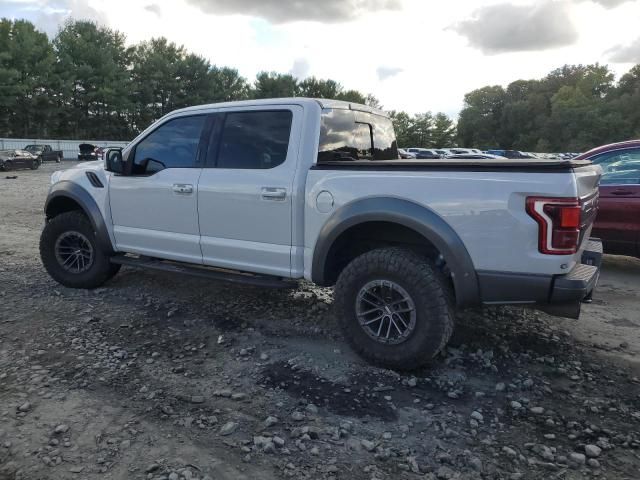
x=323 y=102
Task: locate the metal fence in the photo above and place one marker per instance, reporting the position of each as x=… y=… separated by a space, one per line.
x=69 y=148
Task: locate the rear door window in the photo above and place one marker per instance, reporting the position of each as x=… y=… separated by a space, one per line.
x=253 y=140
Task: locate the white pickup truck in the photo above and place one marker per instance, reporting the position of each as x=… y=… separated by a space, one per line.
x=268 y=192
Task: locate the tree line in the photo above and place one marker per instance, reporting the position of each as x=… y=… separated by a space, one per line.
x=573 y=108
x=87 y=83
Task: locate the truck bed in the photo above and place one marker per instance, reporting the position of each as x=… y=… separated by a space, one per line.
x=527 y=165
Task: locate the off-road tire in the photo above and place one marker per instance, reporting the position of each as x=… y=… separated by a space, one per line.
x=35 y=164
x=427 y=287
x=101 y=269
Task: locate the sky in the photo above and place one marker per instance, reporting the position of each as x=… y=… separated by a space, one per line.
x=413 y=55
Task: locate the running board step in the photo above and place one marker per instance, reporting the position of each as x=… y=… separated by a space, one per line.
x=204 y=272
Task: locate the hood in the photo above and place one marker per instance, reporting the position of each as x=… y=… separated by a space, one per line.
x=90 y=165
x=86 y=148
x=79 y=170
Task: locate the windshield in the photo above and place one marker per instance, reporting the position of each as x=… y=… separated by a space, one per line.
x=33 y=148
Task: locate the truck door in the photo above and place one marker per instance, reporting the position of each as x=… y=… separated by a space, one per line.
x=245 y=190
x=618 y=221
x=155 y=209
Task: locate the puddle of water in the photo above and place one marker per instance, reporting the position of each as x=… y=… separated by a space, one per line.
x=353 y=400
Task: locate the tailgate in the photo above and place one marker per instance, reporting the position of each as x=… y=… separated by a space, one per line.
x=587 y=184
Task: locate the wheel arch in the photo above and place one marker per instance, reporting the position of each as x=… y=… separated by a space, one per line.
x=66 y=196
x=410 y=216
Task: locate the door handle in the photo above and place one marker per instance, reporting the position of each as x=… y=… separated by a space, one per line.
x=182 y=188
x=621 y=192
x=273 y=193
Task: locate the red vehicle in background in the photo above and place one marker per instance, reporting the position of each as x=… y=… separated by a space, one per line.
x=618 y=221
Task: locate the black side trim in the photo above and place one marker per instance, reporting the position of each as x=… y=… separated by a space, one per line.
x=424 y=221
x=95 y=181
x=204 y=272
x=559 y=295
x=83 y=198
x=505 y=287
x=528 y=166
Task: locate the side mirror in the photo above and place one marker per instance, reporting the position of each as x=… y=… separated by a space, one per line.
x=113 y=161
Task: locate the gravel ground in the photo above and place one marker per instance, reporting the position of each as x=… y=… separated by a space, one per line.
x=169 y=377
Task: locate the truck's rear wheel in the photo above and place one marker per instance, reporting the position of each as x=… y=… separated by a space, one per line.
x=394 y=308
x=58 y=158
x=71 y=253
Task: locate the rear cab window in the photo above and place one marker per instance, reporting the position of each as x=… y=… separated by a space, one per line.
x=348 y=135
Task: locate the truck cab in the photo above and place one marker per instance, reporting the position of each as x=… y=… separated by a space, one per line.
x=269 y=192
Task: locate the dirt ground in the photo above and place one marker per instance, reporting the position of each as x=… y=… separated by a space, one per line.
x=170 y=377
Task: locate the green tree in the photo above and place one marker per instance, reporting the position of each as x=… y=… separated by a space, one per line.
x=402 y=124
x=444 y=131
x=227 y=84
x=26 y=68
x=156 y=80
x=93 y=87
x=313 y=88
x=352 y=96
x=274 y=85
x=480 y=119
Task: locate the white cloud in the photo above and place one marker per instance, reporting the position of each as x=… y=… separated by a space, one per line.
x=629 y=53
x=507 y=27
x=438 y=64
x=610 y=3
x=154 y=8
x=329 y=11
x=300 y=68
x=388 y=72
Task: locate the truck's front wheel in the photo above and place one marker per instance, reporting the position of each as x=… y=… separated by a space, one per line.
x=394 y=308
x=71 y=253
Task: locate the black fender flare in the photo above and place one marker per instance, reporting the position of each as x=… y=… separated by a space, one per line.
x=88 y=205
x=411 y=215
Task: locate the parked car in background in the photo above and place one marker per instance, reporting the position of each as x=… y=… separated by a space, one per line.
x=15 y=159
x=404 y=154
x=45 y=153
x=513 y=154
x=87 y=152
x=100 y=151
x=475 y=156
x=424 y=153
x=618 y=220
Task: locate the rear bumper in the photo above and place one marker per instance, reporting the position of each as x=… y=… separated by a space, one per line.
x=560 y=295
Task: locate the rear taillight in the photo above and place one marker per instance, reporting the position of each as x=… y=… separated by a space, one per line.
x=559 y=224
